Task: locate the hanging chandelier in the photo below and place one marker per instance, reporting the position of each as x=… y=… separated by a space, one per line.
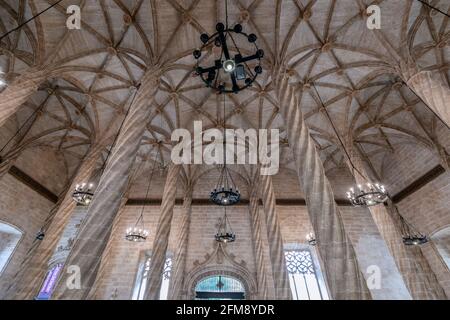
x=83 y=194
x=225 y=192
x=311 y=239
x=414 y=239
x=228 y=73
x=138 y=233
x=225 y=233
x=410 y=235
x=371 y=195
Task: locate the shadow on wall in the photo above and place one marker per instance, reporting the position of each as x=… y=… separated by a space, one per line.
x=441 y=240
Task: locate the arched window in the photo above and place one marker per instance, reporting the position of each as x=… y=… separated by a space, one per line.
x=142 y=278
x=219 y=288
x=305 y=278
x=9 y=238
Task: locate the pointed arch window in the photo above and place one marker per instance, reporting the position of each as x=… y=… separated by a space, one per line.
x=305 y=279
x=9 y=239
x=143 y=274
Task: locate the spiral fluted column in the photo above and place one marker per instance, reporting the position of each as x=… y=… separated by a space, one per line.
x=432 y=90
x=338 y=255
x=94 y=235
x=275 y=239
x=34 y=266
x=161 y=239
x=20 y=90
x=179 y=263
x=258 y=248
x=412 y=265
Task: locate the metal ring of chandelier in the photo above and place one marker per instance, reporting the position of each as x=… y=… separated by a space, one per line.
x=83 y=194
x=225 y=196
x=375 y=195
x=235 y=66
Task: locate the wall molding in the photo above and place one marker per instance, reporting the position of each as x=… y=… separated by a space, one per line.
x=415 y=186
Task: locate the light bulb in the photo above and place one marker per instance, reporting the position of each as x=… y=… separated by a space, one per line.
x=229 y=65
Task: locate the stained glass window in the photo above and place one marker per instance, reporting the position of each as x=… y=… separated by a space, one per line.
x=220 y=288
x=142 y=279
x=49 y=282
x=304 y=276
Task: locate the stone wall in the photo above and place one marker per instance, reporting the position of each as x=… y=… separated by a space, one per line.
x=26 y=210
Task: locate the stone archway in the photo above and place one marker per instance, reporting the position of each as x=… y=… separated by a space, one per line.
x=226 y=271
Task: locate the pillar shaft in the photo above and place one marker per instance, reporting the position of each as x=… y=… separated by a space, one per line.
x=277 y=258
x=414 y=268
x=179 y=264
x=432 y=90
x=19 y=91
x=35 y=264
x=161 y=239
x=258 y=247
x=103 y=271
x=94 y=235
x=340 y=265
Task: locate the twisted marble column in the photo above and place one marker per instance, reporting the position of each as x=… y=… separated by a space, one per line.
x=93 y=237
x=275 y=239
x=20 y=90
x=179 y=264
x=161 y=239
x=34 y=267
x=258 y=248
x=414 y=268
x=339 y=260
x=432 y=90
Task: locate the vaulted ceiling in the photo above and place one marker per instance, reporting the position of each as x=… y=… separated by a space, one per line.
x=355 y=70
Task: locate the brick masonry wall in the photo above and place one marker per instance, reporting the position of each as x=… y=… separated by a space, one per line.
x=25 y=209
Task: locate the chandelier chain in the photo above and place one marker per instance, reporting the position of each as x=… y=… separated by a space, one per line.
x=337 y=133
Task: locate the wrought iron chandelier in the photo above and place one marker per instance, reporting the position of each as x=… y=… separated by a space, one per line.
x=83 y=194
x=311 y=239
x=225 y=192
x=371 y=194
x=225 y=233
x=367 y=196
x=239 y=68
x=138 y=233
x=410 y=235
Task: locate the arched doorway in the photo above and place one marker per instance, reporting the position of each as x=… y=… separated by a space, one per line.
x=220 y=287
